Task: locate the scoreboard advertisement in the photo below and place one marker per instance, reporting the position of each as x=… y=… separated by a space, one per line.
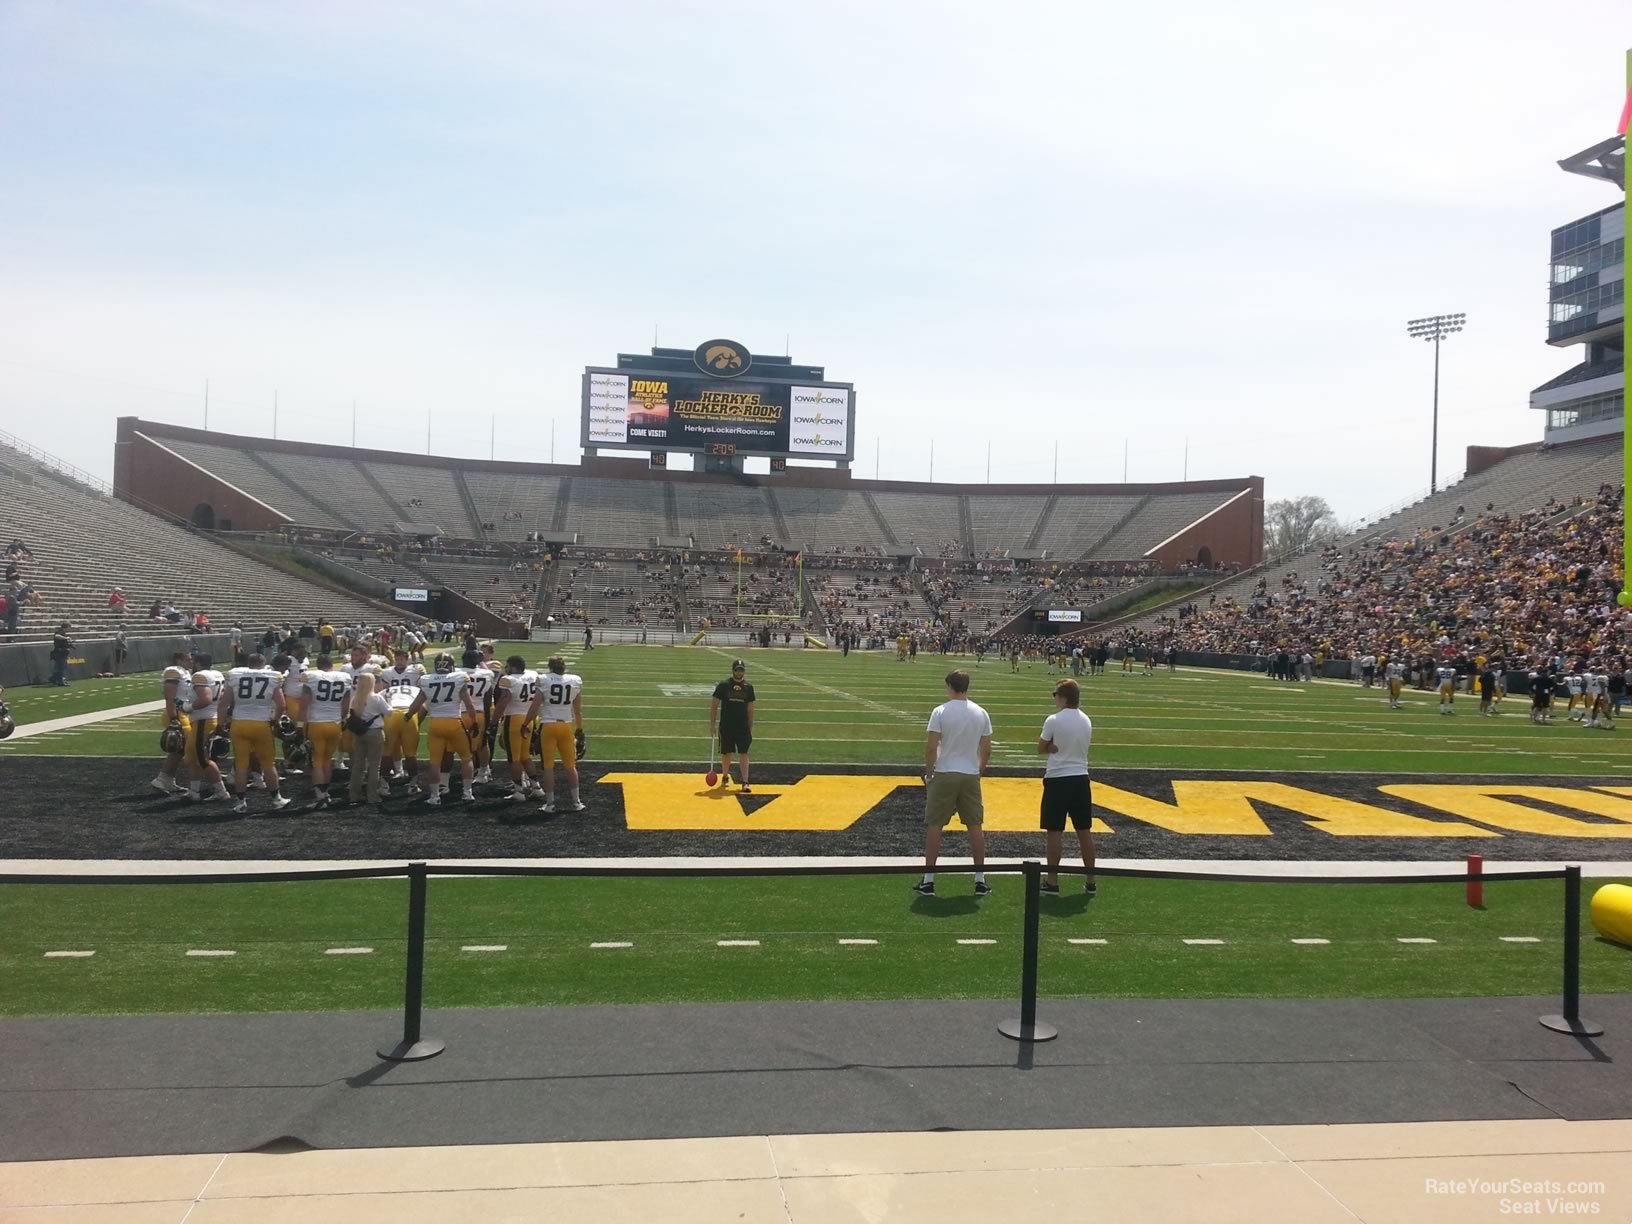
x=666 y=410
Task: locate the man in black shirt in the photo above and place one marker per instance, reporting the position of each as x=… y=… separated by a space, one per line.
x=732 y=711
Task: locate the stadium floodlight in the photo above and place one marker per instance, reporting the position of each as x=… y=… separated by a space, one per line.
x=1435 y=328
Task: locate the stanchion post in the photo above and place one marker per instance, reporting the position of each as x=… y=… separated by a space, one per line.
x=1028 y=1027
x=413 y=1047
x=1476 y=883
x=1571 y=1021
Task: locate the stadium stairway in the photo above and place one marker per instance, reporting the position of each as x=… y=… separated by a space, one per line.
x=883 y=523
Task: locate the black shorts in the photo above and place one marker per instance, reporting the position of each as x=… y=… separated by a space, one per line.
x=735 y=739
x=1067 y=798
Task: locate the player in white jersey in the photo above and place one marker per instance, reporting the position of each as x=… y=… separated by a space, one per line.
x=484 y=683
x=177 y=687
x=251 y=704
x=201 y=767
x=445 y=695
x=1576 y=687
x=326 y=692
x=359 y=661
x=512 y=711
x=1447 y=688
x=401 y=682
x=1396 y=683
x=1593 y=696
x=558 y=706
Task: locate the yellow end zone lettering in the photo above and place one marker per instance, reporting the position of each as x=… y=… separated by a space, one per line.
x=815 y=802
x=1490 y=805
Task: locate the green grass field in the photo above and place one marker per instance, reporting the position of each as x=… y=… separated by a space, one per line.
x=280 y=934
x=649 y=704
x=816 y=707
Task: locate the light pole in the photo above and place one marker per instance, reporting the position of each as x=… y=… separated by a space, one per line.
x=1436 y=328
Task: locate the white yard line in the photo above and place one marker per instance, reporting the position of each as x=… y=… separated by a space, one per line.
x=736 y=943
x=977 y=942
x=485 y=948
x=347 y=951
x=1197 y=943
x=1520 y=939
x=1311 y=942
x=29 y=730
x=67 y=955
x=859 y=943
x=1415 y=939
x=612 y=944
x=210 y=952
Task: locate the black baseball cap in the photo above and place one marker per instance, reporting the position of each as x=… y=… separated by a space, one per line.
x=738 y=665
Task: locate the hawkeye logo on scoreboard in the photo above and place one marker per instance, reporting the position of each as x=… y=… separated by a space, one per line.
x=722 y=358
x=818 y=420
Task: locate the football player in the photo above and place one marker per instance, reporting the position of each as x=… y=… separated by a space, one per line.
x=1395 y=671
x=177 y=687
x=359 y=660
x=293 y=667
x=251 y=704
x=201 y=767
x=401 y=681
x=1577 y=687
x=1446 y=675
x=484 y=682
x=558 y=707
x=445 y=695
x=325 y=691
x=512 y=710
x=1541 y=697
x=1592 y=693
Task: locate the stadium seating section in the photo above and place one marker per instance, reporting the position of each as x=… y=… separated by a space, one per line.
x=84 y=543
x=875 y=556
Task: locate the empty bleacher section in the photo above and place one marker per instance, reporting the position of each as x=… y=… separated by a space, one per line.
x=1154 y=522
x=85 y=544
x=1076 y=522
x=1003 y=522
x=823 y=520
x=237 y=468
x=724 y=515
x=514 y=503
x=925 y=522
x=427 y=495
x=615 y=513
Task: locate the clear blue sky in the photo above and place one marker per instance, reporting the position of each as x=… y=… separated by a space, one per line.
x=1085 y=222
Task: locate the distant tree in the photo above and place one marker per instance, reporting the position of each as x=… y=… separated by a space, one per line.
x=1296 y=524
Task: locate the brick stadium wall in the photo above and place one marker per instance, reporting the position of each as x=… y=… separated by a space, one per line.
x=1234 y=534
x=149 y=475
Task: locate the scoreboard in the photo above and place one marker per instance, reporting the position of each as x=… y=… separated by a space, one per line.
x=718 y=401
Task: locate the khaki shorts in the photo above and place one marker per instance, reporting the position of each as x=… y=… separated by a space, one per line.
x=950 y=793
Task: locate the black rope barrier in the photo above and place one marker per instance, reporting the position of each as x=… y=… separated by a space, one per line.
x=414 y=1046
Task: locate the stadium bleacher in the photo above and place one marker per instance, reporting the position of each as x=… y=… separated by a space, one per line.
x=927 y=522
x=821 y=519
x=616 y=514
x=85 y=544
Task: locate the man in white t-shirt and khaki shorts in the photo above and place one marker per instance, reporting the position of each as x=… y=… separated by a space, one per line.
x=955 y=754
x=1066 y=793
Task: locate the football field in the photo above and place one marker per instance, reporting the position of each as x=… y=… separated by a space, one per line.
x=1192 y=765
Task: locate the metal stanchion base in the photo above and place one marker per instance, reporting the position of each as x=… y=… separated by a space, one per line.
x=1024 y=1032
x=417 y=1051
x=1575 y=1028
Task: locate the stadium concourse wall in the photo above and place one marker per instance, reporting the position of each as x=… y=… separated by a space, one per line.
x=148 y=471
x=30 y=662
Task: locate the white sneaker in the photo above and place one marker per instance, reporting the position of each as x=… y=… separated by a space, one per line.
x=164 y=785
x=397 y=775
x=256 y=782
x=517 y=795
x=484 y=774
x=241 y=807
x=281 y=802
x=470 y=796
x=549 y=807
x=575 y=807
x=434 y=799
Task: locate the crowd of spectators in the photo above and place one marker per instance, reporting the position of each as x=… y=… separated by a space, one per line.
x=1538 y=586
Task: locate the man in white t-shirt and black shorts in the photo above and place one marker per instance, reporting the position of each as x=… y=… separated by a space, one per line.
x=1066 y=793
x=956 y=750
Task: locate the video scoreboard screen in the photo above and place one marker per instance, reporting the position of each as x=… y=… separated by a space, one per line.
x=718 y=415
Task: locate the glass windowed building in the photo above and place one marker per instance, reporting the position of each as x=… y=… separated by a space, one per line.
x=1586 y=308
